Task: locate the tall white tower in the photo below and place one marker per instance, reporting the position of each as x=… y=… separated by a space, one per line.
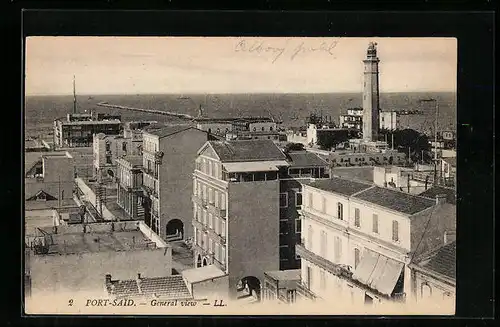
x=371 y=95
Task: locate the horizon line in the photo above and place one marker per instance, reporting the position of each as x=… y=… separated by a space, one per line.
x=227 y=93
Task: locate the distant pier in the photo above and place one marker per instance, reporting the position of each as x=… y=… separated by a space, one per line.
x=149 y=111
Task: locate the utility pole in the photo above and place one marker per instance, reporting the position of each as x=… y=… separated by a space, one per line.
x=74 y=95
x=436 y=106
x=59 y=192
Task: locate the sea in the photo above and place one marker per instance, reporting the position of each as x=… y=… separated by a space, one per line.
x=292 y=109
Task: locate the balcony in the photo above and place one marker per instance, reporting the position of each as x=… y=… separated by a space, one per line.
x=323 y=218
x=218 y=264
x=336 y=269
x=304 y=291
x=150 y=191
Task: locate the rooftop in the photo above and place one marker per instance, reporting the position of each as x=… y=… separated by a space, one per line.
x=201 y=274
x=364 y=174
x=247 y=150
x=165 y=288
x=442 y=260
x=233 y=119
x=95 y=237
x=132 y=160
x=436 y=190
x=395 y=200
x=305 y=159
x=167 y=130
x=91 y=122
x=31 y=158
x=285 y=275
x=340 y=185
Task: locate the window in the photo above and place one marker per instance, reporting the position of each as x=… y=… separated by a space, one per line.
x=309 y=237
x=210 y=220
x=223 y=228
x=340 y=211
x=425 y=290
x=323 y=244
x=356 y=218
x=310 y=199
x=263 y=129
x=322 y=279
x=254 y=129
x=298 y=199
x=124 y=146
x=356 y=258
x=271 y=129
x=395 y=231
x=375 y=223
x=223 y=254
x=283 y=200
x=308 y=277
x=338 y=249
x=108 y=159
x=284 y=252
x=323 y=204
x=298 y=225
x=283 y=227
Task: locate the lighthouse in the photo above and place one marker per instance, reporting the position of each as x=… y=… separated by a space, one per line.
x=371 y=95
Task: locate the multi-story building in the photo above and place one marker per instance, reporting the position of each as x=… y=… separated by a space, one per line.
x=108 y=148
x=49 y=177
x=354 y=119
x=75 y=258
x=129 y=185
x=359 y=239
x=78 y=129
x=281 y=285
x=434 y=275
x=169 y=154
x=303 y=166
x=236 y=209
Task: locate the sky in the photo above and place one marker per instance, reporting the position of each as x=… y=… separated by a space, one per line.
x=184 y=65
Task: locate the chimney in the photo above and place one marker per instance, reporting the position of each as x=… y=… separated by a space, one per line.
x=139 y=283
x=440 y=198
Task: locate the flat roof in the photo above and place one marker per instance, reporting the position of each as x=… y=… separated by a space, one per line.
x=31 y=223
x=285 y=275
x=201 y=274
x=395 y=200
x=253 y=166
x=339 y=185
x=247 y=150
x=91 y=122
x=360 y=173
x=97 y=237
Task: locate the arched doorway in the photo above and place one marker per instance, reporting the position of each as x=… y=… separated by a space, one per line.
x=249 y=288
x=198 y=261
x=205 y=262
x=175 y=230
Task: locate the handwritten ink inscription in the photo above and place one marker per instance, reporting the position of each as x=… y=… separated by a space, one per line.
x=292 y=51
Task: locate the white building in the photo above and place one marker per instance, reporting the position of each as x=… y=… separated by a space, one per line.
x=354 y=119
x=358 y=240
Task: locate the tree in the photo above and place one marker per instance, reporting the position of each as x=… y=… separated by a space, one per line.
x=294 y=147
x=409 y=139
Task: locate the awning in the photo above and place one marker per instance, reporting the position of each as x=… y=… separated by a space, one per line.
x=378 y=272
x=233 y=167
